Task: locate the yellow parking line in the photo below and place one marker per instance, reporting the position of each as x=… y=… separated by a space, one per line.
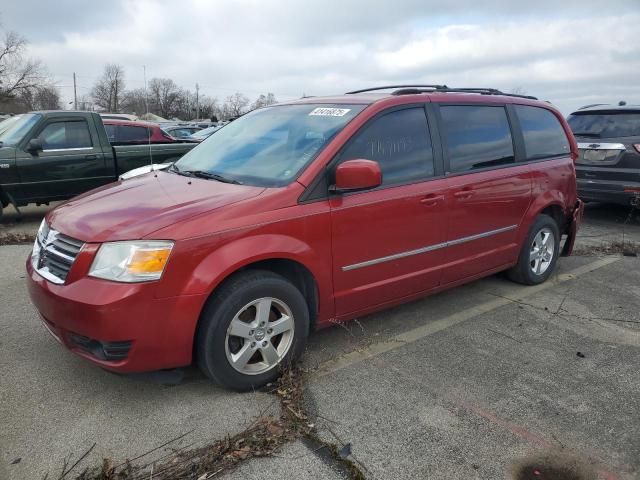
x=423 y=331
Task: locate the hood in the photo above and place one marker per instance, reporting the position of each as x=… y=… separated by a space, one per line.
x=135 y=208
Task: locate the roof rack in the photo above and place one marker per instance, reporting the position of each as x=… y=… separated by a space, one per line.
x=592 y=105
x=394 y=86
x=415 y=89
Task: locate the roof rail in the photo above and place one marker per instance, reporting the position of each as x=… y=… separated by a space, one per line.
x=486 y=91
x=373 y=89
x=592 y=105
x=414 y=89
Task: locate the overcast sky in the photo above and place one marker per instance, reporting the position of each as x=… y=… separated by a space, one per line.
x=569 y=52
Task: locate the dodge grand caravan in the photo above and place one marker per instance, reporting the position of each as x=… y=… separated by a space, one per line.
x=298 y=215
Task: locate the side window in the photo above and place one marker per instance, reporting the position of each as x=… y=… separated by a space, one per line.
x=399 y=141
x=130 y=134
x=543 y=134
x=63 y=135
x=476 y=137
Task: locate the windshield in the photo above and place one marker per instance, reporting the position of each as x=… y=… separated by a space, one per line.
x=605 y=125
x=11 y=133
x=270 y=146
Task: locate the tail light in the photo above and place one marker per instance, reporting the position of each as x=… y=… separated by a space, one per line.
x=637 y=147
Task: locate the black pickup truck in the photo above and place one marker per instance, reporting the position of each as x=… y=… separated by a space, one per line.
x=55 y=155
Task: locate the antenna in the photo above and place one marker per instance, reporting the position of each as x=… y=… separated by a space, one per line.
x=146 y=106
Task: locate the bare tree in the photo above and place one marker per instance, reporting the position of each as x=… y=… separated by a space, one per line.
x=134 y=101
x=108 y=90
x=16 y=72
x=209 y=107
x=165 y=97
x=264 y=101
x=235 y=105
x=46 y=97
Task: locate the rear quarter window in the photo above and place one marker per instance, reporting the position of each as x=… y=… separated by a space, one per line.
x=543 y=134
x=477 y=136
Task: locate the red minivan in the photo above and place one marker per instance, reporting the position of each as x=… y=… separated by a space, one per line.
x=300 y=214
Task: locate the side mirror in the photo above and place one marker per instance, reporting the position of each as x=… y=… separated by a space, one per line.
x=357 y=174
x=34 y=145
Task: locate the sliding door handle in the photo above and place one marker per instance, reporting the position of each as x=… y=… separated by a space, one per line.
x=431 y=200
x=464 y=194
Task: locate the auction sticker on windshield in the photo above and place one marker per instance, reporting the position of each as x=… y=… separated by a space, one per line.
x=330 y=112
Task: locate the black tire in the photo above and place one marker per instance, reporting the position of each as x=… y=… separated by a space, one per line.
x=524 y=272
x=213 y=345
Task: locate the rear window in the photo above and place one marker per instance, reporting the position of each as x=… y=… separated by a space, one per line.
x=543 y=134
x=607 y=124
x=476 y=137
x=111 y=132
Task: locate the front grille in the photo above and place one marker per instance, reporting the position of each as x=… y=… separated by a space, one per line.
x=109 y=351
x=56 y=255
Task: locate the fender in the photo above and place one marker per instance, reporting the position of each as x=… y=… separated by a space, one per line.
x=211 y=268
x=546 y=199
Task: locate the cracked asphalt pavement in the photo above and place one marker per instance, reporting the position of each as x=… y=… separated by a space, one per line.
x=460 y=385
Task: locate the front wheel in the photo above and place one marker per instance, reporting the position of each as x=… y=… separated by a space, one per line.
x=253 y=326
x=539 y=252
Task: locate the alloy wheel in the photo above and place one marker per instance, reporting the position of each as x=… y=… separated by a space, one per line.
x=259 y=336
x=542 y=251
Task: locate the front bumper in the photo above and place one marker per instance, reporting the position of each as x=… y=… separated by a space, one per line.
x=120 y=327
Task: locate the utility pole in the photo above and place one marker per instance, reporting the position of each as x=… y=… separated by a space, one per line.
x=197 y=102
x=146 y=100
x=75 y=94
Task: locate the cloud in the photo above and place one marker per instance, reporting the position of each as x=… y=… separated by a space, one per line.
x=570 y=53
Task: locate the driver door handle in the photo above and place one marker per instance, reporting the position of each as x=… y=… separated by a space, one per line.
x=90 y=157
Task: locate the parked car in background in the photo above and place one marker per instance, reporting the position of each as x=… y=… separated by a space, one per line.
x=55 y=155
x=203 y=134
x=126 y=132
x=181 y=131
x=608 y=168
x=118 y=116
x=298 y=215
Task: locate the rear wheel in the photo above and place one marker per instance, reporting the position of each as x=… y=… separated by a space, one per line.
x=254 y=325
x=539 y=252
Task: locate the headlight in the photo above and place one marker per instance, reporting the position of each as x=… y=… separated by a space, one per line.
x=135 y=261
x=41 y=236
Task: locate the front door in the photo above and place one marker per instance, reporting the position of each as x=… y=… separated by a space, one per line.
x=489 y=193
x=387 y=242
x=70 y=163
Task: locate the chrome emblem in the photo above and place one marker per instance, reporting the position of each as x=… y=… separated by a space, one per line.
x=594 y=145
x=259 y=334
x=4 y=165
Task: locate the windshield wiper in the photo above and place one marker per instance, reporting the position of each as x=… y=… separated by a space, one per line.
x=174 y=168
x=209 y=176
x=586 y=134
